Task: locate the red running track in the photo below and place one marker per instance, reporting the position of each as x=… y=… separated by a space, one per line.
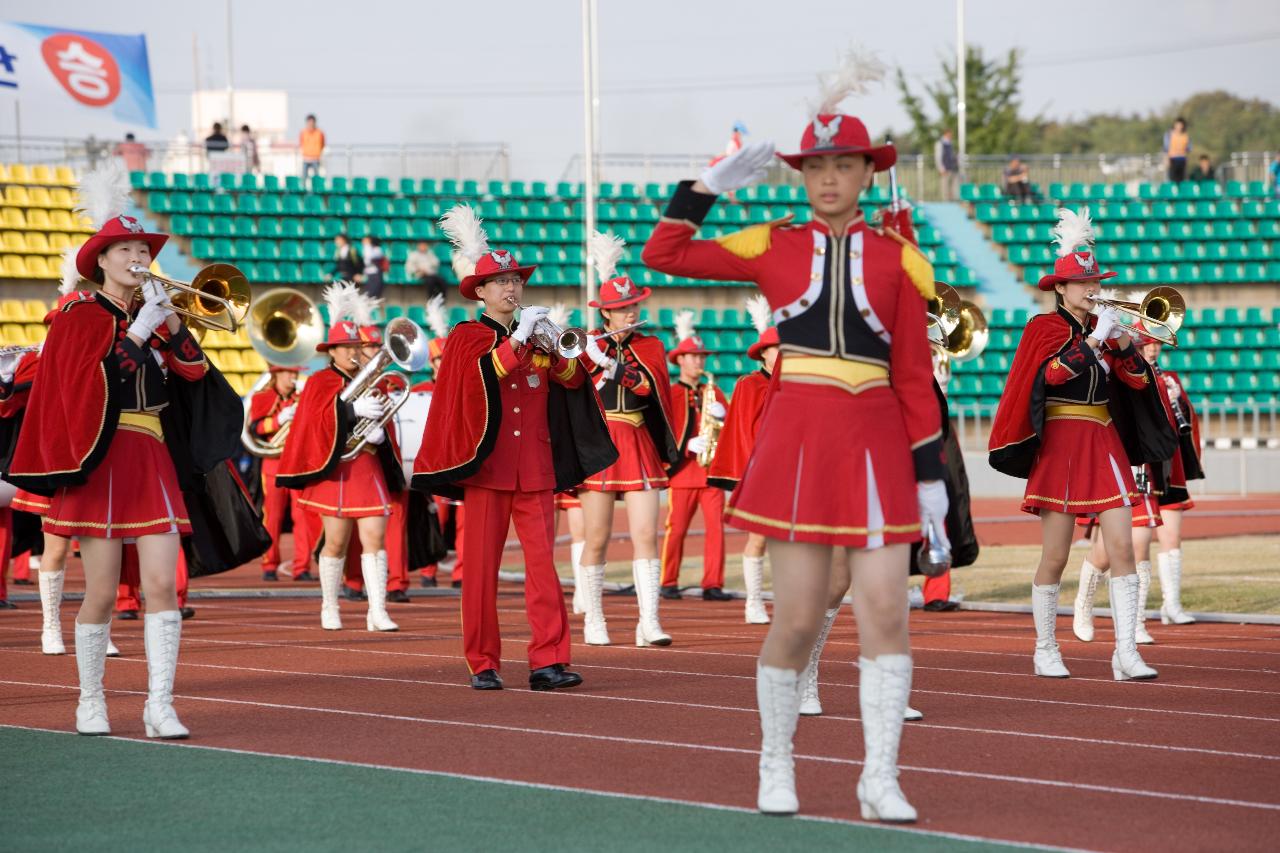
x=1191 y=761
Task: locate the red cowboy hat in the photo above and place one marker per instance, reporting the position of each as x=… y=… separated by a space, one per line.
x=768 y=338
x=435 y=348
x=73 y=296
x=493 y=264
x=371 y=334
x=283 y=368
x=618 y=292
x=117 y=229
x=840 y=134
x=343 y=333
x=1077 y=266
x=691 y=345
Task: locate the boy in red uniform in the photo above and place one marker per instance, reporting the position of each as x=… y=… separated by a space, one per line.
x=270 y=411
x=509 y=425
x=688 y=489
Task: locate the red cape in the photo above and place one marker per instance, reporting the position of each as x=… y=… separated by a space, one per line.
x=317 y=439
x=652 y=358
x=1015 y=435
x=746 y=409
x=20 y=390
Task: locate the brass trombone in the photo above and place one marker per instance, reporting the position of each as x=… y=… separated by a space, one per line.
x=284 y=327
x=1158 y=316
x=217 y=298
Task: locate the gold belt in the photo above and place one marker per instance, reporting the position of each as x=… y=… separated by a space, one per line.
x=147 y=422
x=1095 y=412
x=852 y=376
x=633 y=418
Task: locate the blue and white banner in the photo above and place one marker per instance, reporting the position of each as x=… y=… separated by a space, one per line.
x=56 y=68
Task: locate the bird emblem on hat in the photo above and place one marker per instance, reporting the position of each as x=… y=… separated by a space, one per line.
x=825 y=134
x=1086 y=262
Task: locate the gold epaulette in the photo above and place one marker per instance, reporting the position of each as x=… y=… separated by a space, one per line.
x=753 y=241
x=77 y=301
x=914 y=262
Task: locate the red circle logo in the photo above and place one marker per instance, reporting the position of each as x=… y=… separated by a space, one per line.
x=86 y=69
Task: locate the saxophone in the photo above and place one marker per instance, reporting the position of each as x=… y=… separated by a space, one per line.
x=709 y=427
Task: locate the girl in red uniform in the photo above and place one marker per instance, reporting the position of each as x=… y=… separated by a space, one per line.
x=95 y=441
x=849 y=451
x=1054 y=426
x=345 y=494
x=631 y=376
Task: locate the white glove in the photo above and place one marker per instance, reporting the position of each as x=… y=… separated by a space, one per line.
x=377 y=436
x=286 y=414
x=367 y=407
x=1107 y=319
x=597 y=355
x=717 y=410
x=528 y=318
x=744 y=167
x=697 y=444
x=8 y=366
x=933 y=511
x=154 y=311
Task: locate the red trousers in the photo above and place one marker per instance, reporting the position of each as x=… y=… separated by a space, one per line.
x=444 y=508
x=6 y=545
x=937 y=589
x=681 y=505
x=275 y=501
x=397 y=547
x=491 y=513
x=127 y=597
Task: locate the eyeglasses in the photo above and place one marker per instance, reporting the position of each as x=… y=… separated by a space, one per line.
x=513 y=280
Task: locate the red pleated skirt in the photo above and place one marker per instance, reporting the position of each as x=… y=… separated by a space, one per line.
x=357 y=489
x=830 y=467
x=133 y=492
x=1081 y=469
x=32 y=503
x=638 y=468
x=568 y=500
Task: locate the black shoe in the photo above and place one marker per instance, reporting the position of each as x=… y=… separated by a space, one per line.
x=8 y=605
x=22 y=582
x=670 y=592
x=353 y=594
x=305 y=576
x=715 y=593
x=399 y=596
x=127 y=615
x=429 y=583
x=270 y=577
x=456 y=584
x=188 y=613
x=486 y=679
x=629 y=589
x=941 y=605
x=553 y=677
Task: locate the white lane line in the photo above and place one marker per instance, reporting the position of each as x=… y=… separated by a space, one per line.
x=667 y=744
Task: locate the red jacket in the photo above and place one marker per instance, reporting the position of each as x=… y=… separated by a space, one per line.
x=264 y=406
x=746 y=410
x=686 y=416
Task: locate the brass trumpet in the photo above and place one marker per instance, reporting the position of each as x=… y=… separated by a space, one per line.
x=550 y=338
x=405 y=346
x=1158 y=316
x=217 y=298
x=284 y=328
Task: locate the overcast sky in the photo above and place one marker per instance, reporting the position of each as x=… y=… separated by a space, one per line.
x=675 y=74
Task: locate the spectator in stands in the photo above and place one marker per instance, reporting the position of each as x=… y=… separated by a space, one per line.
x=347 y=265
x=423 y=266
x=311 y=144
x=376 y=266
x=249 y=148
x=133 y=153
x=216 y=141
x=1204 y=172
x=1177 y=146
x=1017 y=181
x=1274 y=171
x=948 y=163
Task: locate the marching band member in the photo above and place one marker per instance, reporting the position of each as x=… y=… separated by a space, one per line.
x=1055 y=427
x=630 y=373
x=269 y=411
x=568 y=504
x=849 y=451
x=510 y=424
x=96 y=428
x=688 y=489
x=741 y=423
x=348 y=494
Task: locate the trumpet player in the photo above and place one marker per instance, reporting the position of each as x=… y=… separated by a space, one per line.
x=348 y=495
x=270 y=411
x=698 y=411
x=511 y=422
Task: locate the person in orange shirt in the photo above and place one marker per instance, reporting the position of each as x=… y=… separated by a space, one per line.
x=1177 y=147
x=311 y=144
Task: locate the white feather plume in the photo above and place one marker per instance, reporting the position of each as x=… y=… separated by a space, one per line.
x=559 y=314
x=437 y=317
x=70 y=275
x=341 y=298
x=858 y=69
x=363 y=307
x=758 y=310
x=1072 y=231
x=684 y=325
x=465 y=230
x=104 y=192
x=605 y=250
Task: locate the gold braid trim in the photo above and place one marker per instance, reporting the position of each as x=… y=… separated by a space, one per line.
x=752 y=241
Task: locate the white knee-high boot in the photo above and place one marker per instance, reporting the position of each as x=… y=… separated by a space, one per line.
x=330 y=581
x=594 y=630
x=1044 y=606
x=1171 y=612
x=579 y=593
x=1126 y=663
x=647 y=575
x=777 y=694
x=51 y=611
x=1082 y=613
x=1140 y=634
x=753 y=577
x=374 y=569
x=884 y=685
x=162 y=634
x=810 y=706
x=91 y=661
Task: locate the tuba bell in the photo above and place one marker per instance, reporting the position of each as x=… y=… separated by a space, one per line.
x=284 y=327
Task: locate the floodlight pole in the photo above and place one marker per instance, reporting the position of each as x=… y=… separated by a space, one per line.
x=590 y=101
x=962 y=56
x=231 y=86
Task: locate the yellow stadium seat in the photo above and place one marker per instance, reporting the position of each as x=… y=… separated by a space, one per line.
x=39 y=197
x=11 y=311
x=35 y=332
x=65 y=176
x=252 y=361
x=60 y=220
x=36 y=309
x=19 y=174
x=59 y=242
x=38 y=243
x=11 y=266
x=60 y=197
x=4 y=173
x=13 y=335
x=36 y=267
x=13 y=241
x=231 y=361
x=12 y=217
x=42 y=175
x=38 y=220
x=15 y=196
